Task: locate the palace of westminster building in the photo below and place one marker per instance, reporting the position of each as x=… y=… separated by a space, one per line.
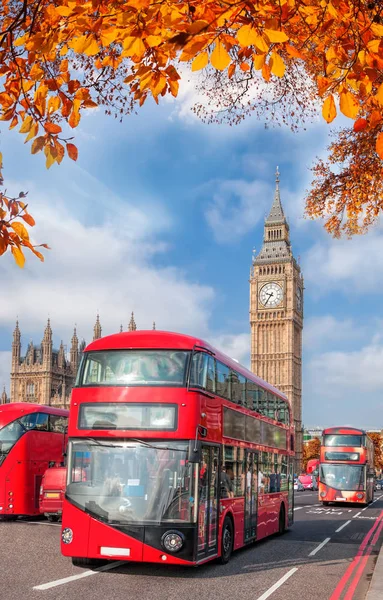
x=46 y=376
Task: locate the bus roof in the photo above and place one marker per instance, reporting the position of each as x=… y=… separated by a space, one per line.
x=343 y=431
x=154 y=339
x=14 y=410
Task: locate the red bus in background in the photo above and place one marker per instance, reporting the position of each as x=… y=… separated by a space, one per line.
x=313 y=466
x=346 y=470
x=52 y=492
x=32 y=438
x=191 y=455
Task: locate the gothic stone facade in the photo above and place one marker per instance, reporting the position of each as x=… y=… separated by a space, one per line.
x=276 y=314
x=45 y=375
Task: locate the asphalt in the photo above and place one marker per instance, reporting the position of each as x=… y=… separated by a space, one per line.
x=328 y=554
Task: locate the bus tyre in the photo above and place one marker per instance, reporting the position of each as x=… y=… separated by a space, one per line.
x=282 y=520
x=227 y=541
x=53 y=518
x=324 y=503
x=87 y=563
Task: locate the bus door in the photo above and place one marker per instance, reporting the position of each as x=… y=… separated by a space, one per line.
x=290 y=483
x=251 y=495
x=208 y=502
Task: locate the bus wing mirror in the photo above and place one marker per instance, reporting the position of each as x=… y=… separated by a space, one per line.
x=194 y=451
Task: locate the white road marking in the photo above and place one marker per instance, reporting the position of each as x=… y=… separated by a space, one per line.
x=298 y=508
x=357 y=515
x=319 y=547
x=277 y=585
x=365 y=508
x=51 y=584
x=341 y=527
x=37 y=523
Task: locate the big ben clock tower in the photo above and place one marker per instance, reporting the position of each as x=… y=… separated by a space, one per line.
x=276 y=314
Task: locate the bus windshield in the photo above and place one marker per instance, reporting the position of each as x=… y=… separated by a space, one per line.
x=134 y=367
x=343 y=477
x=132 y=482
x=354 y=441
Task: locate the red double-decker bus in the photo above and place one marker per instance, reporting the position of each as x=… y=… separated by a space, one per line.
x=32 y=438
x=346 y=470
x=176 y=453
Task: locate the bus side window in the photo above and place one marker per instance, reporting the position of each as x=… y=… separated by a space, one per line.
x=57 y=423
x=42 y=422
x=210 y=379
x=223 y=380
x=198 y=373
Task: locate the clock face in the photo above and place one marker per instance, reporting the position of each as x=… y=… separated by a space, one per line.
x=299 y=299
x=271 y=295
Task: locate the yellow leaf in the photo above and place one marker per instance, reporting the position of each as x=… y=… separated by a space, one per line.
x=220 y=59
x=247 y=36
x=259 y=61
x=200 y=61
x=154 y=40
x=379 y=94
x=54 y=104
x=261 y=44
x=379 y=145
x=26 y=125
x=92 y=48
x=32 y=132
x=276 y=36
x=377 y=29
x=84 y=44
x=64 y=11
x=50 y=158
x=329 y=109
x=20 y=230
x=134 y=45
x=109 y=35
x=18 y=256
x=277 y=65
x=349 y=105
x=373 y=45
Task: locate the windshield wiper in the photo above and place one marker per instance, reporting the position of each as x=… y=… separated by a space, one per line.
x=107 y=445
x=156 y=447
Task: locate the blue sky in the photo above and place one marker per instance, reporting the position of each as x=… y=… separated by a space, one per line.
x=160 y=215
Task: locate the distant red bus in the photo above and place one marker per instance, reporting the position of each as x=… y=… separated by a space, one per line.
x=176 y=453
x=32 y=437
x=346 y=470
x=52 y=492
x=312 y=466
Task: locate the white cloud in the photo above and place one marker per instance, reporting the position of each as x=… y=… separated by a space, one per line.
x=106 y=266
x=235 y=346
x=352 y=265
x=326 y=330
x=236 y=208
x=346 y=387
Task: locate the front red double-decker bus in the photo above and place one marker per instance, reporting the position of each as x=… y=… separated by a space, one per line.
x=32 y=438
x=346 y=470
x=176 y=453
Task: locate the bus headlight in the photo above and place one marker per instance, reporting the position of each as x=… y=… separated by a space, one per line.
x=67 y=535
x=322 y=494
x=360 y=496
x=172 y=541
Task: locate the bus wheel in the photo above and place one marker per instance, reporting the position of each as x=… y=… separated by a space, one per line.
x=325 y=503
x=8 y=518
x=282 y=521
x=227 y=541
x=87 y=563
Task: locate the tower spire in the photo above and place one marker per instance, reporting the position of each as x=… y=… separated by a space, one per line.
x=276 y=214
x=132 y=324
x=97 y=329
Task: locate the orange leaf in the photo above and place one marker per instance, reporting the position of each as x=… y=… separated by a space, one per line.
x=38 y=144
x=18 y=256
x=360 y=124
x=329 y=109
x=28 y=219
x=3 y=245
x=72 y=151
x=52 y=127
x=379 y=145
